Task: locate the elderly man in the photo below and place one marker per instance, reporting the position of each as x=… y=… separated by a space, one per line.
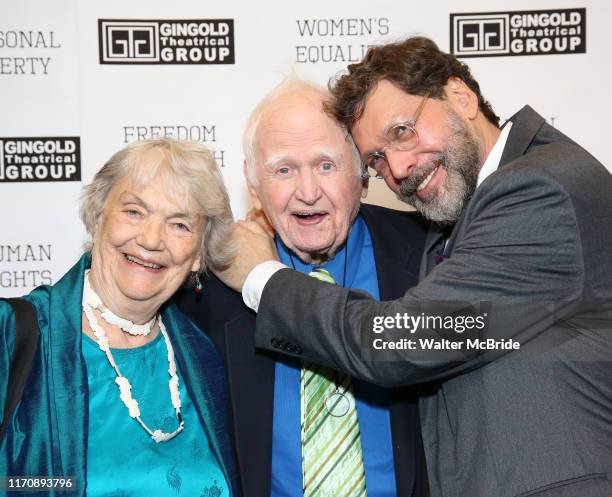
x=524 y=218
x=301 y=429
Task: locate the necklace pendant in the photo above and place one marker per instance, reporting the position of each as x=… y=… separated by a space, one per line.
x=337 y=404
x=160 y=436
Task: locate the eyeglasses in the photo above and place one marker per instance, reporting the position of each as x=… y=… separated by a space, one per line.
x=399 y=137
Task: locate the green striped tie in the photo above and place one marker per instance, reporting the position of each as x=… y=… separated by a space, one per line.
x=332 y=462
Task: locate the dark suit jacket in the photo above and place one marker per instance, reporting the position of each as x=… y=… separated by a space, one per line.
x=534 y=242
x=398 y=239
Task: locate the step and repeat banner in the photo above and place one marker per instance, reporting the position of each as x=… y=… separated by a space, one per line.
x=79 y=80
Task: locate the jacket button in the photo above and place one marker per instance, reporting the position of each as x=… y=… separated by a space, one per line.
x=274 y=343
x=298 y=350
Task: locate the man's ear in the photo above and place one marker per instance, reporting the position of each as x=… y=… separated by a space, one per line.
x=461 y=98
x=252 y=192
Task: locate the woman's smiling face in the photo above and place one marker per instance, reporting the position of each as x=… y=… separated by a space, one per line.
x=147 y=241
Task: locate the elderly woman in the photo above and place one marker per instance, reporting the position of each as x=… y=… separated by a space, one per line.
x=124 y=393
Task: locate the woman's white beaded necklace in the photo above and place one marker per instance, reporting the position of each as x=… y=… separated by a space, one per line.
x=111 y=318
x=91 y=301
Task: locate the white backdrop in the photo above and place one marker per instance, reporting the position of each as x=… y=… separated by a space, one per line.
x=53 y=84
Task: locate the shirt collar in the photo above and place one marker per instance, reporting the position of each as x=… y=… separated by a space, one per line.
x=494 y=157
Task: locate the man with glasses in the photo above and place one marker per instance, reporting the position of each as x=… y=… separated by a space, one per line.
x=524 y=219
x=460 y=161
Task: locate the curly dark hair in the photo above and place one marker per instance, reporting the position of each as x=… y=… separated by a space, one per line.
x=415 y=65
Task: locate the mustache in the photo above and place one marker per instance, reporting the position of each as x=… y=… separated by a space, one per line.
x=409 y=185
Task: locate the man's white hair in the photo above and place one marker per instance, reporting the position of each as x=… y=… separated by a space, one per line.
x=289 y=87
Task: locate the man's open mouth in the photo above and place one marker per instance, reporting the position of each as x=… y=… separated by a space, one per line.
x=309 y=217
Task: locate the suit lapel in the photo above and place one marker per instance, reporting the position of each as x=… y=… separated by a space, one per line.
x=251 y=383
x=525 y=125
x=393 y=255
x=433 y=239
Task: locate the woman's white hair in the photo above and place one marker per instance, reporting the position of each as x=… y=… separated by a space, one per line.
x=290 y=86
x=183 y=163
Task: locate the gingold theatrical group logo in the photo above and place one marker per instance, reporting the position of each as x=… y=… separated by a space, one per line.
x=40 y=159
x=193 y=41
x=527 y=32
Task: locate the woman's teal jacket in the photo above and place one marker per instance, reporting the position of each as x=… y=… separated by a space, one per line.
x=47 y=433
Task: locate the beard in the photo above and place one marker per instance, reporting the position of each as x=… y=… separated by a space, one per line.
x=461 y=159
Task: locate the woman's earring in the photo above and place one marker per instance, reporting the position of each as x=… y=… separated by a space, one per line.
x=198 y=286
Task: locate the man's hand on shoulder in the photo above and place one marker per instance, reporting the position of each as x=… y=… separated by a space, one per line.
x=253 y=245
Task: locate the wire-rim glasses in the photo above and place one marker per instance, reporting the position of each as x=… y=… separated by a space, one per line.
x=399 y=137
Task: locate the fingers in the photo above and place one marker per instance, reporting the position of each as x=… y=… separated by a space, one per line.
x=258 y=216
x=254 y=245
